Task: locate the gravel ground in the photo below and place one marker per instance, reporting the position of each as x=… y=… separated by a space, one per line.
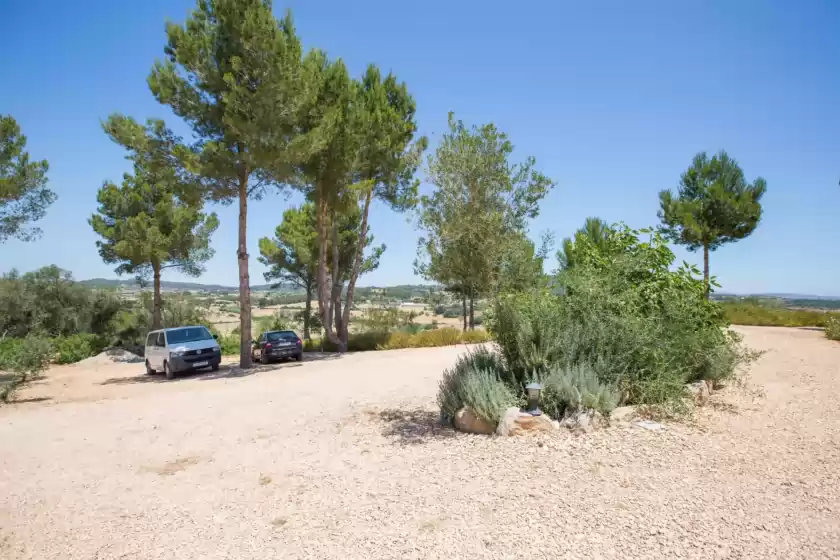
x=341 y=458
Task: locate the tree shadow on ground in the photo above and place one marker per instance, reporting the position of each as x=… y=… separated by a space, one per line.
x=29 y=400
x=414 y=426
x=819 y=329
x=225 y=371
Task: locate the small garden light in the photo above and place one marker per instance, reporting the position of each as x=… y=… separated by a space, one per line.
x=532 y=390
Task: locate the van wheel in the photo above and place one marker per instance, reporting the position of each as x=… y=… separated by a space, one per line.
x=168 y=370
x=149 y=370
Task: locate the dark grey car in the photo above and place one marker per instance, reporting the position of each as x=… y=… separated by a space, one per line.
x=277 y=345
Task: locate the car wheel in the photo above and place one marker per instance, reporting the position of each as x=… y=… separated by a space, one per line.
x=264 y=359
x=214 y=367
x=168 y=370
x=299 y=357
x=149 y=370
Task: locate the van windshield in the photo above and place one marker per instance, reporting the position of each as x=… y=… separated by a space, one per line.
x=189 y=334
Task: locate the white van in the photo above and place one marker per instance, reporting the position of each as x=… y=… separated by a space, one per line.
x=181 y=349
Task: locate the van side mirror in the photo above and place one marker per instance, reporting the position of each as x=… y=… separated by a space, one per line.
x=215 y=336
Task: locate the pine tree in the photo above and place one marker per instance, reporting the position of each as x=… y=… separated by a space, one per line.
x=595 y=230
x=24 y=196
x=233 y=73
x=153 y=220
x=714 y=205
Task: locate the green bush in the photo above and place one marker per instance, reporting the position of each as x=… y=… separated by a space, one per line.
x=229 y=344
x=576 y=388
x=452 y=313
x=643 y=329
x=23 y=358
x=77 y=347
x=475 y=382
x=832 y=328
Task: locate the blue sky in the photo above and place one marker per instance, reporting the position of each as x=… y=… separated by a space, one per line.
x=612 y=98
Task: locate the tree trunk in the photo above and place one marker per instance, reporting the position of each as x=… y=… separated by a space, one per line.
x=472 y=310
x=337 y=283
x=357 y=267
x=706 y=269
x=244 y=278
x=464 y=308
x=307 y=313
x=157 y=304
x=322 y=283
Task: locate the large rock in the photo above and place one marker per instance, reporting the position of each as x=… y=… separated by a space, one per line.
x=699 y=392
x=514 y=422
x=583 y=421
x=467 y=421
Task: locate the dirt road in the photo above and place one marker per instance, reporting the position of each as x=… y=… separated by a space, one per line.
x=342 y=458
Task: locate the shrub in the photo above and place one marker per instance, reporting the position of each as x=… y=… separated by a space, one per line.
x=624 y=315
x=275 y=322
x=73 y=348
x=832 y=328
x=474 y=381
x=764 y=312
x=576 y=388
x=452 y=313
x=23 y=358
x=378 y=340
x=229 y=344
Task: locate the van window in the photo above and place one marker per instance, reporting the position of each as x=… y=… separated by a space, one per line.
x=188 y=334
x=151 y=340
x=160 y=341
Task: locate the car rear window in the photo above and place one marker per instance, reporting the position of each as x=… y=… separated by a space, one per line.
x=283 y=335
x=188 y=334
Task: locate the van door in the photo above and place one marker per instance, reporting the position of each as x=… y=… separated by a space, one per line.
x=162 y=352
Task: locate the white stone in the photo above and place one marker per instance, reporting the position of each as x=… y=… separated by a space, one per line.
x=623 y=414
x=648 y=425
x=699 y=392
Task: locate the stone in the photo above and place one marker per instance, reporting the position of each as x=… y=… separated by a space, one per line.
x=648 y=425
x=583 y=421
x=623 y=414
x=699 y=392
x=514 y=422
x=467 y=421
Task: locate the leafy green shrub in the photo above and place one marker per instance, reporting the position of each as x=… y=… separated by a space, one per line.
x=452 y=313
x=275 y=322
x=77 y=347
x=832 y=328
x=575 y=388
x=23 y=358
x=229 y=344
x=641 y=327
x=474 y=381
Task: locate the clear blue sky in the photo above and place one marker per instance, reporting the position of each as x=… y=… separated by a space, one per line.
x=612 y=98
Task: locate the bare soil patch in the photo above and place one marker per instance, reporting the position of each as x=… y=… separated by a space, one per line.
x=359 y=467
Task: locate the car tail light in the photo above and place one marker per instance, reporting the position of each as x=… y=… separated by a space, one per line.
x=268 y=345
x=298 y=341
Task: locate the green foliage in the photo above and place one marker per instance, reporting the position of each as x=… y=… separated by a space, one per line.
x=23 y=358
x=384 y=340
x=475 y=381
x=24 y=196
x=475 y=220
x=276 y=322
x=832 y=328
x=385 y=318
x=153 y=221
x=772 y=313
x=574 y=388
x=643 y=328
x=50 y=302
x=77 y=347
x=595 y=233
x=229 y=344
x=714 y=205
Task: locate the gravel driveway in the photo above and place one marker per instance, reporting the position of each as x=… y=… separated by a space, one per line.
x=341 y=458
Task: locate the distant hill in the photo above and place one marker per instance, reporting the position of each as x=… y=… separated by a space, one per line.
x=178 y=286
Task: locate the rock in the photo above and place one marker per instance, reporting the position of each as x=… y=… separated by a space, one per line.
x=514 y=422
x=467 y=421
x=699 y=392
x=648 y=425
x=623 y=414
x=583 y=421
